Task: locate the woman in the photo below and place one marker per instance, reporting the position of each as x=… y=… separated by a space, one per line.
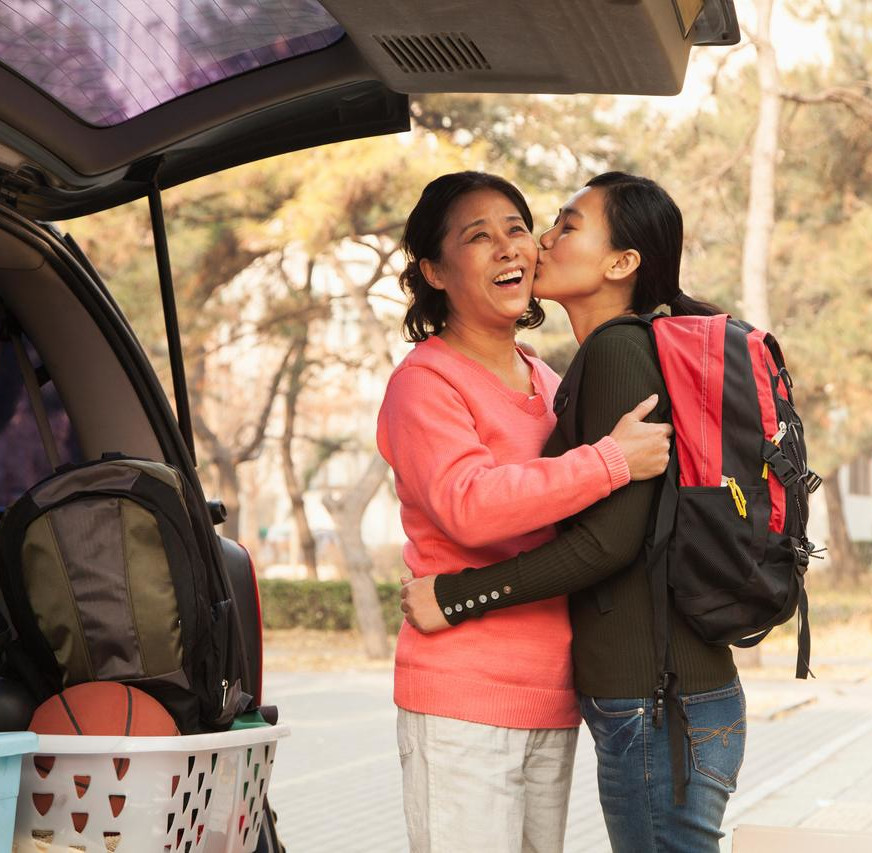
x=615 y=249
x=487 y=719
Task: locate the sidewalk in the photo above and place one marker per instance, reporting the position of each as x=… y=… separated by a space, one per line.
x=337 y=788
x=809 y=758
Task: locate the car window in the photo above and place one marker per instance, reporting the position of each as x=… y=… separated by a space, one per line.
x=110 y=60
x=23 y=460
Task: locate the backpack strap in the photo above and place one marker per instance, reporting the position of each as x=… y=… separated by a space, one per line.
x=31 y=383
x=566 y=398
x=566 y=409
x=667 y=703
x=803 y=637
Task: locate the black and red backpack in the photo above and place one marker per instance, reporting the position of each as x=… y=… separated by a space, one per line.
x=730 y=536
x=729 y=540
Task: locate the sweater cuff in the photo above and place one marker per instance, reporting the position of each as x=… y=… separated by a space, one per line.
x=616 y=463
x=448 y=589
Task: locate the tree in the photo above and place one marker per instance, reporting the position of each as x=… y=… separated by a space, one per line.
x=295 y=384
x=761 y=196
x=828 y=148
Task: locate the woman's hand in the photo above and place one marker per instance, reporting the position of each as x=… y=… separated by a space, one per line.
x=418 y=603
x=645 y=446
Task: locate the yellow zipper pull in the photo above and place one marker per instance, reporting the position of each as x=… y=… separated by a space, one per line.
x=738 y=497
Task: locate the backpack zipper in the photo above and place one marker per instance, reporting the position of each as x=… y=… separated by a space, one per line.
x=736 y=492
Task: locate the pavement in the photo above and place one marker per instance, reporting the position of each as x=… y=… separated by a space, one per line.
x=336 y=783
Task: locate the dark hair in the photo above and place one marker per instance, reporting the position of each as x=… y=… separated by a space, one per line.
x=641 y=215
x=422 y=239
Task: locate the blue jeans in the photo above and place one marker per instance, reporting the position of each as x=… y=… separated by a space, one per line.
x=634 y=774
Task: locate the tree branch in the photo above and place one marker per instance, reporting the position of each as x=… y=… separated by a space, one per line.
x=727 y=166
x=857 y=102
x=247 y=451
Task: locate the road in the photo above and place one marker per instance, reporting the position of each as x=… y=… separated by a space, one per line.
x=337 y=789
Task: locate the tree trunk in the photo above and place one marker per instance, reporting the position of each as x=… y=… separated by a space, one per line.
x=760 y=218
x=845 y=563
x=296 y=370
x=298 y=511
x=347 y=512
x=292 y=481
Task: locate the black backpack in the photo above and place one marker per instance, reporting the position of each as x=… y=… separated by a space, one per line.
x=107 y=574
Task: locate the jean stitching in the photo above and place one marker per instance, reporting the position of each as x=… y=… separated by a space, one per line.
x=630 y=712
x=646 y=733
x=711 y=696
x=713 y=774
x=723 y=732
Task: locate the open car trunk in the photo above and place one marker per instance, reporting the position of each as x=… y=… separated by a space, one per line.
x=99 y=101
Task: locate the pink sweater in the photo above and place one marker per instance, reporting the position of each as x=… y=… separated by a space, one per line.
x=473 y=490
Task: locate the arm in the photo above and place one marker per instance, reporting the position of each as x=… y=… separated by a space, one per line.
x=603 y=539
x=427 y=434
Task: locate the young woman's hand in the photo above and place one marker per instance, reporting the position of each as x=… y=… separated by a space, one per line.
x=645 y=446
x=418 y=603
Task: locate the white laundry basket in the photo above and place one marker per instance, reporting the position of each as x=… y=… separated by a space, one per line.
x=191 y=794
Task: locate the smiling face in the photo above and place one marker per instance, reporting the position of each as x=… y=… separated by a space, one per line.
x=487 y=263
x=577 y=261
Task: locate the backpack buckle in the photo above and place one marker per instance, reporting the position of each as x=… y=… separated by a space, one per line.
x=659 y=708
x=812 y=481
x=658 y=712
x=780 y=465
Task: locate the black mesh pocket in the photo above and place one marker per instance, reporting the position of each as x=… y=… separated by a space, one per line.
x=730 y=576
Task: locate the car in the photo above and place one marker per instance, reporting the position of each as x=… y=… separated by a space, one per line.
x=104 y=103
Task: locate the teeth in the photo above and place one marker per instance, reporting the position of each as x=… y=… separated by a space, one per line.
x=509 y=276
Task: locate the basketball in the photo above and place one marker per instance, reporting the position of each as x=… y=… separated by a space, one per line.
x=103 y=708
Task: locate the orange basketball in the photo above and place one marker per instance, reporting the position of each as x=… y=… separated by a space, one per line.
x=103 y=708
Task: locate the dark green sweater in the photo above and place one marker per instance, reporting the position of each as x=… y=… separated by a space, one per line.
x=599 y=556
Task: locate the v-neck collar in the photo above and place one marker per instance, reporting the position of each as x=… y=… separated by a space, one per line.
x=533 y=404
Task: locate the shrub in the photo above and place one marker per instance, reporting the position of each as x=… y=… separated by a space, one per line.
x=322 y=605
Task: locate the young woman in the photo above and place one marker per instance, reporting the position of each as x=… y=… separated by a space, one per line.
x=487 y=720
x=615 y=249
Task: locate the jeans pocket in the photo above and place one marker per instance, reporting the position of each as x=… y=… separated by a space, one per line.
x=716 y=729
x=614 y=723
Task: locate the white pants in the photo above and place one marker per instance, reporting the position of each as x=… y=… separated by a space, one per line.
x=484 y=789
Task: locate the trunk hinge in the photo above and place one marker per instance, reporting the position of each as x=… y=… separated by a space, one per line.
x=13 y=185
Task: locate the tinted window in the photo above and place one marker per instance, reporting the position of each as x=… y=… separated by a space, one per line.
x=110 y=60
x=23 y=460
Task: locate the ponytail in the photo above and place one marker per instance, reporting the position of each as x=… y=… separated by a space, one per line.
x=682 y=305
